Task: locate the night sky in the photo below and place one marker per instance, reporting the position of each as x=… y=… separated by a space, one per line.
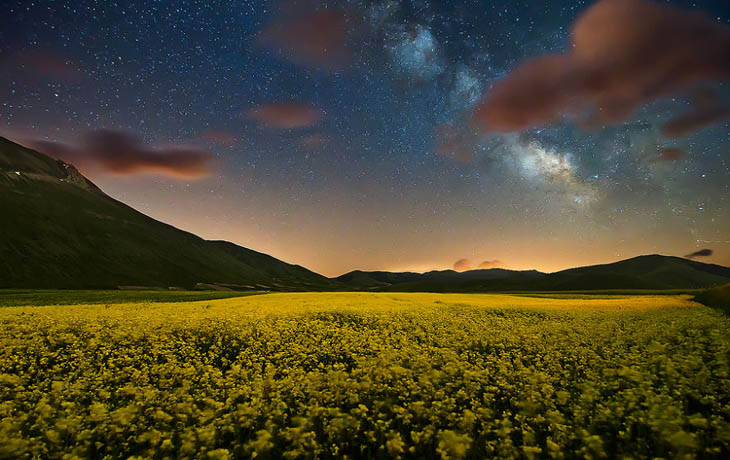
x=389 y=135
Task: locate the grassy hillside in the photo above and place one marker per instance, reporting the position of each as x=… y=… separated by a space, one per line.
x=279 y=275
x=25 y=297
x=59 y=231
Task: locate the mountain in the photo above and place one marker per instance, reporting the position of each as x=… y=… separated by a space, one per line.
x=643 y=272
x=59 y=230
x=370 y=280
x=386 y=280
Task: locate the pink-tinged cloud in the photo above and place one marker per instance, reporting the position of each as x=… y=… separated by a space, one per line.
x=315 y=39
x=49 y=64
x=671 y=153
x=218 y=137
x=285 y=115
x=685 y=124
x=462 y=265
x=119 y=153
x=490 y=264
x=624 y=54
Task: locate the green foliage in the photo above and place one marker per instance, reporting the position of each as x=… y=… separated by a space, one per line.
x=718 y=297
x=19 y=297
x=367 y=376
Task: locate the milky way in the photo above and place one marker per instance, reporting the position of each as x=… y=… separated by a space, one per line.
x=341 y=134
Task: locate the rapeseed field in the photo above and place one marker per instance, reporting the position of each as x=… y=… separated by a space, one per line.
x=365 y=375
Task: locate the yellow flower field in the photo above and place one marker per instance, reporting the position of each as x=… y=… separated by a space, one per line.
x=364 y=375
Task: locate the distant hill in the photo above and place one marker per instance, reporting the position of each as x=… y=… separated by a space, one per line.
x=385 y=280
x=643 y=272
x=369 y=280
x=58 y=230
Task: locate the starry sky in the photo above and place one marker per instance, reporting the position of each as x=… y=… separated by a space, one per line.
x=385 y=134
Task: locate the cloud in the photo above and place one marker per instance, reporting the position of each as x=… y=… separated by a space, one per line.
x=671 y=153
x=314 y=39
x=624 y=54
x=122 y=154
x=687 y=123
x=285 y=115
x=490 y=264
x=700 y=253
x=462 y=265
x=50 y=64
x=219 y=137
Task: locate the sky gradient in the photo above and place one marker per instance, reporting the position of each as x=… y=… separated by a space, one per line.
x=410 y=135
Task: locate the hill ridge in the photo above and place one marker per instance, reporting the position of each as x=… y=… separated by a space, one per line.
x=651 y=271
x=61 y=231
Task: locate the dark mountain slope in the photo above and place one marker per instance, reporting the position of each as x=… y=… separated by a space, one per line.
x=280 y=274
x=58 y=230
x=643 y=272
x=368 y=280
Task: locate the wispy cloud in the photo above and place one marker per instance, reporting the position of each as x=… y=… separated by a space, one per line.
x=285 y=115
x=49 y=64
x=314 y=39
x=219 y=137
x=671 y=153
x=490 y=264
x=700 y=253
x=120 y=153
x=462 y=265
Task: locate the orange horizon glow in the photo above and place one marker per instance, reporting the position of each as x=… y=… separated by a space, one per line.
x=325 y=239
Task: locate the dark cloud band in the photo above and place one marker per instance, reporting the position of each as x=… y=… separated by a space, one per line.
x=122 y=154
x=700 y=253
x=624 y=53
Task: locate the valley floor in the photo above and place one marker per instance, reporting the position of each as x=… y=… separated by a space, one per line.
x=367 y=375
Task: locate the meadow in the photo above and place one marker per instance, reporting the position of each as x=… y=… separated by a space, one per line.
x=18 y=297
x=367 y=375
